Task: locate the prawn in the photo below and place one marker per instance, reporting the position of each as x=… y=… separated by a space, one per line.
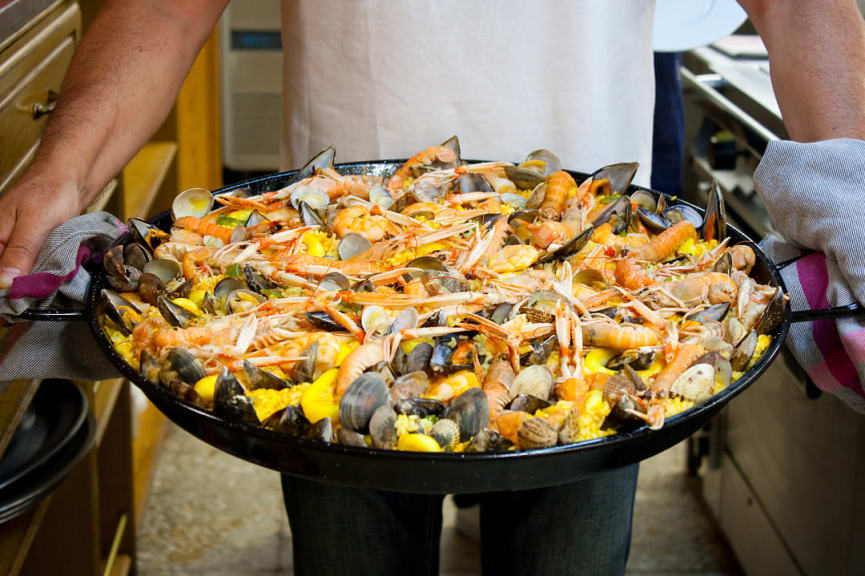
x=497 y=383
x=192 y=260
x=624 y=337
x=743 y=257
x=361 y=220
x=320 y=265
x=684 y=357
x=603 y=234
x=204 y=228
x=357 y=361
x=423 y=158
x=665 y=243
x=713 y=287
x=559 y=185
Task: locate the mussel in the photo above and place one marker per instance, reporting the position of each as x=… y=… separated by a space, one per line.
x=230 y=401
x=473 y=182
x=290 y=420
x=310 y=217
x=618 y=214
x=638 y=359
x=304 y=370
x=541 y=350
x=321 y=430
x=652 y=220
x=261 y=379
x=148 y=234
x=419 y=407
x=570 y=247
x=773 y=314
x=712 y=313
x=187 y=366
x=333 y=282
x=119 y=310
x=527 y=403
x=416 y=360
x=715 y=221
x=255 y=280
x=148 y=366
x=615 y=178
x=537 y=165
x=320 y=161
x=361 y=399
x=744 y=351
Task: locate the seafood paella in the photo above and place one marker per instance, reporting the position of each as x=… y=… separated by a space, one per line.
x=449 y=306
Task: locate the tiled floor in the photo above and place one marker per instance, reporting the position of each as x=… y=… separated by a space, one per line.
x=210 y=513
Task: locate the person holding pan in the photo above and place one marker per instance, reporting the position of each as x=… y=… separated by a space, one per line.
x=383 y=81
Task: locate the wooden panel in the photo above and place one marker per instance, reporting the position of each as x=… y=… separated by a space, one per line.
x=16 y=537
x=13 y=403
x=148 y=180
x=148 y=438
x=31 y=77
x=199 y=160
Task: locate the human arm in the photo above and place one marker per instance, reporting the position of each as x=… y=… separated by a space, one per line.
x=119 y=88
x=817 y=58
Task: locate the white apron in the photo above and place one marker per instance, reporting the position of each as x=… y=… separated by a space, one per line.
x=386 y=79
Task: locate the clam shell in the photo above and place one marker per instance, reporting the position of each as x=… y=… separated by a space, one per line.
x=150 y=288
x=570 y=430
x=379 y=195
x=333 y=282
x=527 y=403
x=196 y=202
x=446 y=432
x=135 y=255
x=163 y=268
x=375 y=321
x=242 y=299
x=712 y=313
x=679 y=212
x=351 y=245
x=552 y=163
x=411 y=385
x=361 y=399
x=644 y=199
x=535 y=380
x=514 y=200
x=471 y=411
x=382 y=427
x=226 y=286
x=488 y=441
x=407 y=319
x=350 y=438
x=697 y=383
x=312 y=196
x=536 y=433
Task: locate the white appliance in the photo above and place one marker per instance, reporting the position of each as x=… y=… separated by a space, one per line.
x=251 y=85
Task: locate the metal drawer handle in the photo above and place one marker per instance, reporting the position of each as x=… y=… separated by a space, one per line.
x=705 y=84
x=40 y=109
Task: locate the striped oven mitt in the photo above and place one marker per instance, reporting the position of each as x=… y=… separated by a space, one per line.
x=815 y=196
x=45 y=349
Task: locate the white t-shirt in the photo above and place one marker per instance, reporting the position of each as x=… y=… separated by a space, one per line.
x=386 y=79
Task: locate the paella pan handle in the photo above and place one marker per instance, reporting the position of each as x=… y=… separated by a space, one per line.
x=852 y=309
x=53 y=315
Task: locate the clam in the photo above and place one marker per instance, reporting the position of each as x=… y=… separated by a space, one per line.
x=242 y=300
x=617 y=386
x=260 y=379
x=350 y=438
x=541 y=350
x=645 y=200
x=736 y=331
x=407 y=319
x=536 y=433
x=375 y=321
x=527 y=403
x=148 y=234
x=514 y=200
x=113 y=261
x=175 y=315
x=446 y=432
x=638 y=359
x=428 y=189
x=320 y=161
x=538 y=165
x=548 y=160
x=304 y=370
x=379 y=195
x=471 y=411
x=715 y=221
x=321 y=430
x=639 y=385
x=773 y=314
x=135 y=255
x=119 y=310
x=291 y=420
x=744 y=351
x=448 y=282
x=697 y=383
x=411 y=385
x=127 y=281
x=501 y=312
x=419 y=407
x=226 y=286
x=255 y=280
x=536 y=198
x=256 y=218
x=163 y=268
x=590 y=276
x=570 y=430
x=195 y=202
x=723 y=368
x=653 y=221
x=150 y=288
x=312 y=196
x=352 y=245
x=570 y=247
x=187 y=366
x=424 y=264
x=719 y=345
x=488 y=440
x=534 y=380
x=382 y=427
x=712 y=313
x=679 y=212
x=615 y=178
x=361 y=399
x=334 y=282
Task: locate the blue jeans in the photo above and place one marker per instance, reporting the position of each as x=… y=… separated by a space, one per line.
x=578 y=528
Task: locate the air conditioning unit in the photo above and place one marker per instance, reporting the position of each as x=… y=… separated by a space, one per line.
x=251 y=84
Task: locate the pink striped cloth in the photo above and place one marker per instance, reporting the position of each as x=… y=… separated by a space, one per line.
x=813 y=193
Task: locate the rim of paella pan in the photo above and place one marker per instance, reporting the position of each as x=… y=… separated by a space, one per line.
x=735 y=388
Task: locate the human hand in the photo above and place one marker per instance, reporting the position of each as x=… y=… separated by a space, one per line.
x=29 y=211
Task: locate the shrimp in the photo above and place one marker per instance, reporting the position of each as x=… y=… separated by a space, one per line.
x=508 y=422
x=423 y=158
x=361 y=220
x=604 y=235
x=193 y=336
x=172 y=250
x=548 y=232
x=624 y=337
x=204 y=228
x=630 y=275
x=743 y=257
x=303 y=263
x=186 y=237
x=684 y=357
x=713 y=287
x=559 y=185
x=513 y=258
x=192 y=260
x=665 y=243
x=496 y=384
x=356 y=363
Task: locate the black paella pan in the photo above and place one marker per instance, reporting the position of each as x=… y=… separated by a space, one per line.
x=442 y=472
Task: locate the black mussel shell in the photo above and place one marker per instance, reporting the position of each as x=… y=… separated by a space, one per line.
x=320 y=161
x=365 y=285
x=527 y=403
x=148 y=366
x=743 y=351
x=304 y=370
x=653 y=221
x=324 y=321
x=361 y=399
x=712 y=313
x=119 y=310
x=715 y=221
x=619 y=177
x=186 y=365
x=471 y=411
x=175 y=315
x=321 y=430
x=638 y=359
x=773 y=314
x=310 y=217
x=724 y=265
x=261 y=379
x=290 y=420
x=229 y=400
x=147 y=233
x=569 y=248
x=333 y=282
x=419 y=407
x=184 y=391
x=418 y=359
x=541 y=350
x=256 y=281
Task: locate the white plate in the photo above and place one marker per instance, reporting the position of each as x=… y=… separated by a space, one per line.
x=685 y=24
